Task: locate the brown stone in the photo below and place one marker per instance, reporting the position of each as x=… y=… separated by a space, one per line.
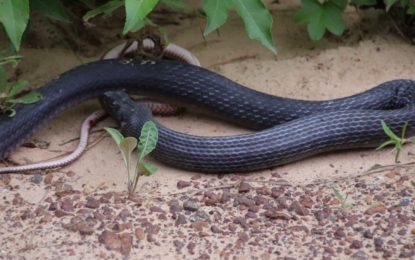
x=139 y=234
x=199 y=225
x=244 y=187
x=92 y=203
x=183 y=184
x=275 y=214
x=376 y=209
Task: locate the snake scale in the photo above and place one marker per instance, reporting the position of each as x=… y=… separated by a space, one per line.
x=289 y=129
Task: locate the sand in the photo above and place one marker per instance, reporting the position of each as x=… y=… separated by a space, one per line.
x=368 y=54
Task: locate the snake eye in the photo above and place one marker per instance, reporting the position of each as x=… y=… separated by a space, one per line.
x=108 y=102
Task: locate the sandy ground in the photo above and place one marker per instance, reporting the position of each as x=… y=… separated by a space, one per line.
x=369 y=54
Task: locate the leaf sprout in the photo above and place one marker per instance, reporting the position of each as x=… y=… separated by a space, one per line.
x=145 y=145
x=398 y=142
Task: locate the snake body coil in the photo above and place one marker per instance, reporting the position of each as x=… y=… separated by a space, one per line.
x=307 y=127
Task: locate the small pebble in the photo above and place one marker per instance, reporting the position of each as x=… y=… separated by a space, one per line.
x=37 y=178
x=376 y=209
x=190 y=205
x=181 y=220
x=67 y=205
x=244 y=187
x=178 y=244
x=92 y=203
x=368 y=234
x=405 y=201
x=275 y=214
x=378 y=242
x=339 y=233
x=183 y=184
x=139 y=234
x=360 y=255
x=356 y=244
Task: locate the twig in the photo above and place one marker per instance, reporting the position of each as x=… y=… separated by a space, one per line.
x=205 y=42
x=383 y=168
x=232 y=60
x=77 y=138
x=97 y=141
x=373 y=170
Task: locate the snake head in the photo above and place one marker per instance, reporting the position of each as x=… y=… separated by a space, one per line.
x=112 y=102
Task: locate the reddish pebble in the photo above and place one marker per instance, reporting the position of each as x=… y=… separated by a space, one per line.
x=244 y=187
x=183 y=184
x=67 y=205
x=92 y=203
x=376 y=209
x=139 y=233
x=275 y=214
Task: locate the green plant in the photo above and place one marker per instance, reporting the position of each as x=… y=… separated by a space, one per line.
x=320 y=15
x=14 y=15
x=398 y=142
x=327 y=15
x=340 y=197
x=146 y=144
x=10 y=93
x=257 y=18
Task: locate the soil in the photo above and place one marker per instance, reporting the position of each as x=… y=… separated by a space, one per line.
x=351 y=204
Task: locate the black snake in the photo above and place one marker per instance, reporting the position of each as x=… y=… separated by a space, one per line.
x=294 y=129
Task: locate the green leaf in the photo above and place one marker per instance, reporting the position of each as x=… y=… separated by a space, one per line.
x=389 y=132
x=105 y=9
x=50 y=8
x=148 y=139
x=258 y=21
x=115 y=134
x=321 y=17
x=13 y=60
x=363 y=2
x=389 y=4
x=216 y=14
x=339 y=3
x=14 y=15
x=316 y=29
x=17 y=87
x=387 y=143
x=309 y=9
x=12 y=112
x=176 y=5
x=333 y=19
x=398 y=152
x=136 y=11
x=403 y=134
x=127 y=146
x=89 y=3
x=29 y=98
x=337 y=194
x=411 y=9
x=404 y=2
x=149 y=169
x=3 y=80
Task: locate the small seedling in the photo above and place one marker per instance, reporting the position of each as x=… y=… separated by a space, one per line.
x=9 y=93
x=340 y=197
x=146 y=144
x=9 y=97
x=398 y=142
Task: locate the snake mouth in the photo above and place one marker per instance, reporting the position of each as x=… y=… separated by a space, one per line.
x=113 y=102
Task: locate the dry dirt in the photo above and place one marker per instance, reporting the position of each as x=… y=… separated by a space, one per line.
x=288 y=212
